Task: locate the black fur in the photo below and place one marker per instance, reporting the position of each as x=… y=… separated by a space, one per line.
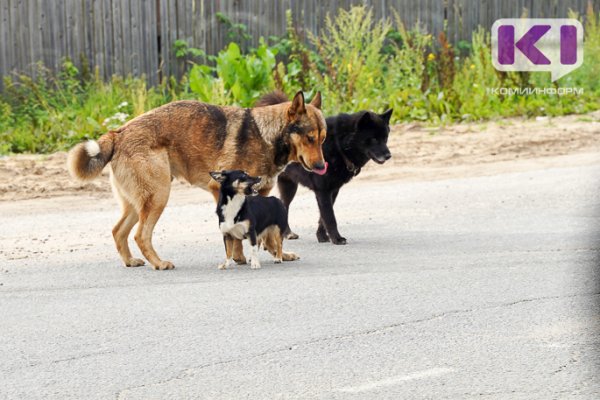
x=261 y=212
x=220 y=121
x=282 y=151
x=248 y=128
x=352 y=140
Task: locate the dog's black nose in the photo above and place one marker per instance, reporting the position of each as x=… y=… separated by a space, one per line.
x=319 y=165
x=387 y=156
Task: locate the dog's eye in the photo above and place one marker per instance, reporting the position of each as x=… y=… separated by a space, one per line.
x=311 y=139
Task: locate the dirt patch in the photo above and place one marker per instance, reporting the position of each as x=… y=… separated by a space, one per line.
x=419 y=152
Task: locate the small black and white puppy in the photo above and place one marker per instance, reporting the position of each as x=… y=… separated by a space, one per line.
x=352 y=141
x=242 y=214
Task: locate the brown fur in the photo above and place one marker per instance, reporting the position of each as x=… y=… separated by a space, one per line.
x=272 y=241
x=274 y=97
x=187 y=140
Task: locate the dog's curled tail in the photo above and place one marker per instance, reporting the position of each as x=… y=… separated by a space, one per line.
x=87 y=159
x=272 y=98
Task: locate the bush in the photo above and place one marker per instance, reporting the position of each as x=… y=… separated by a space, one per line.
x=240 y=78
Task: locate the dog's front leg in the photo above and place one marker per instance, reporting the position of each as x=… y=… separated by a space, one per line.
x=238 y=249
x=238 y=252
x=228 y=241
x=254 y=261
x=287 y=191
x=327 y=221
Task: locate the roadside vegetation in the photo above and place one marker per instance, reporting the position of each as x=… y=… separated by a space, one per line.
x=356 y=61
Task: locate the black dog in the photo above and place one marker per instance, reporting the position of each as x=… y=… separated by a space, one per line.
x=243 y=215
x=352 y=140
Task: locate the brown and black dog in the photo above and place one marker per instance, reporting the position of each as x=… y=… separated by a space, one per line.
x=187 y=140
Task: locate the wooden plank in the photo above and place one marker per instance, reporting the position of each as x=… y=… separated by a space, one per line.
x=108 y=38
x=13 y=49
x=26 y=60
x=35 y=40
x=58 y=48
x=152 y=32
x=87 y=18
x=136 y=38
x=117 y=35
x=144 y=40
x=173 y=36
x=98 y=59
x=126 y=34
x=164 y=37
x=4 y=68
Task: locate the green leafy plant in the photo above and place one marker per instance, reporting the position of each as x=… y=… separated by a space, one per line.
x=350 y=48
x=242 y=77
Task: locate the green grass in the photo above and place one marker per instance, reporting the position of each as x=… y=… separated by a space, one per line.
x=357 y=63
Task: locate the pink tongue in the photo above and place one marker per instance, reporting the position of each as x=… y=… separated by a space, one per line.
x=321 y=171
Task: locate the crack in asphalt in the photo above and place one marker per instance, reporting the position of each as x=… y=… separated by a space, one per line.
x=189 y=372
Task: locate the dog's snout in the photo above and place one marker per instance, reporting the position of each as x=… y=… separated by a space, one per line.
x=387 y=156
x=319 y=165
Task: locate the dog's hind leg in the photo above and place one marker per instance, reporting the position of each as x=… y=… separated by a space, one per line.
x=287 y=191
x=121 y=233
x=148 y=186
x=123 y=227
x=327 y=222
x=274 y=243
x=149 y=215
x=270 y=242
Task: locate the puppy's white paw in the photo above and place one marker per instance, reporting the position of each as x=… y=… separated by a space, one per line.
x=254 y=263
x=226 y=264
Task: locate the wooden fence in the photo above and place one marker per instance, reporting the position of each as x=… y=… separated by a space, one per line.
x=136 y=36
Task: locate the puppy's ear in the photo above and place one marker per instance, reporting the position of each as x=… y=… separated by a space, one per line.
x=297 y=106
x=218 y=176
x=364 y=121
x=387 y=115
x=316 y=101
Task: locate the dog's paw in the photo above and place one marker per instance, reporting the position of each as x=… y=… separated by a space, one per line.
x=339 y=240
x=163 y=265
x=135 y=262
x=322 y=236
x=277 y=260
x=289 y=256
x=292 y=236
x=254 y=263
x=222 y=266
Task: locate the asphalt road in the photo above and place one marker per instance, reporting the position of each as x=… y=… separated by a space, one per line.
x=461 y=288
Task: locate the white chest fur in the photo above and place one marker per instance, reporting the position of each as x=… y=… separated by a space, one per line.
x=230 y=210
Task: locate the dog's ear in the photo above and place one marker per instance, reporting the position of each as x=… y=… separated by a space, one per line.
x=387 y=115
x=364 y=121
x=297 y=106
x=316 y=101
x=218 y=176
